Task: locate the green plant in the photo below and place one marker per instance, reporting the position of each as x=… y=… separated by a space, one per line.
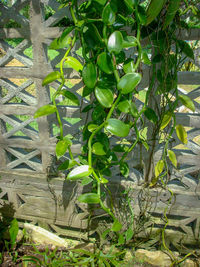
x=74 y=257
x=8 y=232
x=106 y=30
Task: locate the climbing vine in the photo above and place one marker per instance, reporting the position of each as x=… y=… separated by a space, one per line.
x=117 y=38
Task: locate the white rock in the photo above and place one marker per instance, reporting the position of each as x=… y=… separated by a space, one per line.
x=157 y=258
x=44 y=237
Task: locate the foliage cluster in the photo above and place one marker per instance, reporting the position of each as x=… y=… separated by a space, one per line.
x=112 y=34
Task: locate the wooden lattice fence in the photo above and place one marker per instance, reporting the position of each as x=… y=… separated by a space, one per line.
x=27 y=145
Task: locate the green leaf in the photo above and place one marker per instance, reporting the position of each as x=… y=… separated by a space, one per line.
x=120 y=148
x=104 y=62
x=64 y=165
x=187 y=102
x=104 y=180
x=115 y=42
x=62 y=146
x=117 y=127
x=98 y=149
x=129 y=41
x=51 y=77
x=89 y=75
x=63 y=41
x=72 y=62
x=124 y=169
x=130 y=4
x=104 y=96
x=121 y=240
x=172 y=157
x=142 y=15
x=145 y=58
x=89 y=198
x=154 y=9
x=117 y=226
x=129 y=66
x=128 y=82
x=133 y=110
x=70 y=96
x=87 y=91
x=45 y=110
x=86 y=181
x=186 y=49
x=150 y=115
x=129 y=234
x=92 y=127
x=159 y=167
x=124 y=106
x=79 y=172
x=101 y=2
x=13 y=231
x=181 y=133
x=171 y=12
x=166 y=120
x=108 y=14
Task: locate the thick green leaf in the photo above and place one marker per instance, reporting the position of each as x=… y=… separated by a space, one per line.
x=87 y=91
x=186 y=48
x=128 y=82
x=70 y=96
x=172 y=157
x=45 y=110
x=62 y=146
x=108 y=14
x=86 y=181
x=120 y=148
x=129 y=234
x=166 y=120
x=115 y=42
x=57 y=44
x=67 y=164
x=187 y=102
x=145 y=58
x=92 y=127
x=159 y=167
x=154 y=9
x=142 y=15
x=63 y=41
x=89 y=75
x=104 y=96
x=129 y=41
x=129 y=66
x=89 y=198
x=117 y=226
x=103 y=180
x=181 y=133
x=124 y=106
x=13 y=231
x=53 y=76
x=98 y=149
x=101 y=2
x=121 y=240
x=72 y=62
x=134 y=110
x=171 y=12
x=130 y=4
x=124 y=169
x=104 y=62
x=150 y=115
x=79 y=172
x=117 y=127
